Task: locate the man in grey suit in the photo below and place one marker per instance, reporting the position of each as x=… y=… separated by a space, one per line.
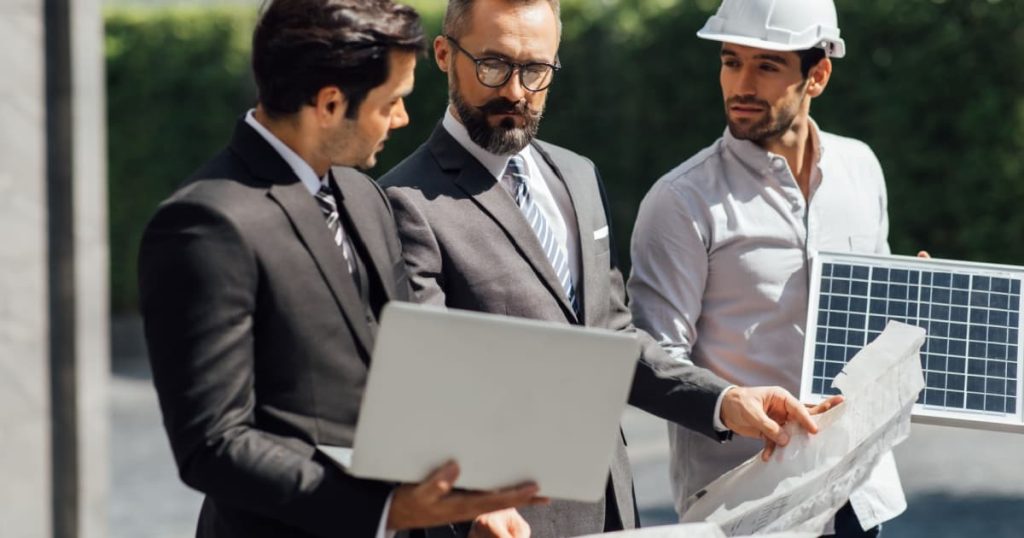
x=262 y=277
x=493 y=220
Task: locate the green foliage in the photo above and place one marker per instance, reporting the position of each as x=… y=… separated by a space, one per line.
x=176 y=80
x=932 y=85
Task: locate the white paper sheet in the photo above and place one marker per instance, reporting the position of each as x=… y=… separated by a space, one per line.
x=807 y=482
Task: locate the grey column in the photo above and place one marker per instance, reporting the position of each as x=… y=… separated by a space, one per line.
x=27 y=336
x=92 y=293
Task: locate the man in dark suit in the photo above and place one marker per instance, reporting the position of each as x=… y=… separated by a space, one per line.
x=493 y=220
x=261 y=280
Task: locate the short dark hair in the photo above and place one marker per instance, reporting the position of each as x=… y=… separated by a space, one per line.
x=456 y=17
x=301 y=46
x=810 y=58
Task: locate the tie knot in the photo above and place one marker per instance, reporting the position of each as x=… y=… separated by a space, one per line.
x=325 y=192
x=516 y=167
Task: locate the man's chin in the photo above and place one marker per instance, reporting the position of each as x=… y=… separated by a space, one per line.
x=738 y=132
x=368 y=163
x=364 y=164
x=741 y=131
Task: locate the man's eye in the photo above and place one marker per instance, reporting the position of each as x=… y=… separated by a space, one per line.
x=769 y=68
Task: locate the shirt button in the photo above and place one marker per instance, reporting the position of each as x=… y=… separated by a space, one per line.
x=778 y=164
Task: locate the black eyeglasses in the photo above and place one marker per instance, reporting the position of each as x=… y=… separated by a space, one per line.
x=495 y=72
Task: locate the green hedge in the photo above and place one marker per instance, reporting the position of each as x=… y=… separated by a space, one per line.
x=175 y=81
x=934 y=86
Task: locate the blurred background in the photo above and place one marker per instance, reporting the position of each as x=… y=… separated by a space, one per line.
x=935 y=87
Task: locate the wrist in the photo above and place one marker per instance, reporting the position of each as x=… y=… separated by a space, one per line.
x=721 y=406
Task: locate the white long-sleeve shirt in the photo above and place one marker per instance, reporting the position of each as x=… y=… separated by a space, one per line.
x=721 y=265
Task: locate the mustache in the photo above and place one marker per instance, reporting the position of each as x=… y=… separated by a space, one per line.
x=747 y=100
x=504 y=106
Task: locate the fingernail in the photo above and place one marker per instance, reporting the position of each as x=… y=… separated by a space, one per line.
x=783 y=439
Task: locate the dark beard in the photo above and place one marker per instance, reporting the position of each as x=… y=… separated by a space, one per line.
x=768 y=128
x=506 y=138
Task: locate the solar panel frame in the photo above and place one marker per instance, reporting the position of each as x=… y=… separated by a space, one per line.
x=858 y=299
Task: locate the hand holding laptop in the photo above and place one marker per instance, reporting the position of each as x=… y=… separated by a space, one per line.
x=434 y=502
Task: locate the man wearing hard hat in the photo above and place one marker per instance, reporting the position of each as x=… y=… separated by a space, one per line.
x=722 y=245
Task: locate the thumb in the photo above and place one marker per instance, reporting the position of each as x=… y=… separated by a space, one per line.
x=441 y=481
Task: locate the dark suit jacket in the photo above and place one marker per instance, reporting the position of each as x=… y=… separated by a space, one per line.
x=468 y=246
x=260 y=341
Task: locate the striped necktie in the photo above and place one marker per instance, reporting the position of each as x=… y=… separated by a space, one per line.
x=515 y=174
x=329 y=207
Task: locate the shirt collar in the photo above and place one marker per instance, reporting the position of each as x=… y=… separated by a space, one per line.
x=760 y=159
x=298 y=165
x=495 y=164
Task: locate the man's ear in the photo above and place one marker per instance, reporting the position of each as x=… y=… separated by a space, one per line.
x=818 y=77
x=442 y=53
x=331 y=105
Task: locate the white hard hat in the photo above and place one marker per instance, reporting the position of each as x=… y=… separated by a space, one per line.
x=785 y=25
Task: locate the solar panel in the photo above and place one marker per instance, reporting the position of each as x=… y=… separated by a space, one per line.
x=972 y=357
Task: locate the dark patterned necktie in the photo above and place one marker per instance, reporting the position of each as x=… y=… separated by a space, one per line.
x=329 y=207
x=515 y=173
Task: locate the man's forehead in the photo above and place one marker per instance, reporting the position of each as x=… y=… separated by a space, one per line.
x=402 y=72
x=511 y=27
x=733 y=49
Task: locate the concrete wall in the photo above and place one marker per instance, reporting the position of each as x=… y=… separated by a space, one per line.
x=24 y=385
x=25 y=506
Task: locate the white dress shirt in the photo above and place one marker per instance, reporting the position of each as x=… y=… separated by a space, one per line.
x=566 y=230
x=721 y=256
x=312 y=183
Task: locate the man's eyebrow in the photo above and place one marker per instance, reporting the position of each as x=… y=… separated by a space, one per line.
x=773 y=58
x=777 y=58
x=489 y=53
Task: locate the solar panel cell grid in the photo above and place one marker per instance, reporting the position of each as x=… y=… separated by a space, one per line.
x=970 y=355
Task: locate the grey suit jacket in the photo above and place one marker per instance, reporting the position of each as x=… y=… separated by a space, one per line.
x=260 y=341
x=468 y=246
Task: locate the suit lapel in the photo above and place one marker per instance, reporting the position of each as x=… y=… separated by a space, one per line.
x=495 y=201
x=360 y=223
x=301 y=209
x=582 y=206
x=309 y=225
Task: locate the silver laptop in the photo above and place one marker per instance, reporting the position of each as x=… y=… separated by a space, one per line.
x=509 y=399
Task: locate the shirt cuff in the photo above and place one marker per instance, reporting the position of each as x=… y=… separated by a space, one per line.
x=718 y=424
x=382 y=529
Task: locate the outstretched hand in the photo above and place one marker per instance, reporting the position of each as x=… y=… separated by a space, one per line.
x=760 y=413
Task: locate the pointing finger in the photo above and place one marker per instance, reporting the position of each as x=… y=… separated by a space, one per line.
x=802 y=416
